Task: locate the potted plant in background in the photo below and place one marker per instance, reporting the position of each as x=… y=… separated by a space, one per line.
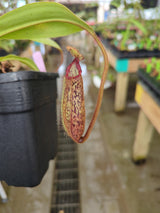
x=149 y=73
x=97 y=77
x=6 y=47
x=115 y=4
x=28 y=136
x=131 y=35
x=149 y=3
x=136 y=39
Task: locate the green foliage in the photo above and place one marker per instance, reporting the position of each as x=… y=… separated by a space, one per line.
x=152 y=67
x=115 y=3
x=130 y=31
x=138 y=33
x=6 y=45
x=40 y=22
x=23 y=60
x=149 y=68
x=21 y=45
x=125 y=37
x=139 y=25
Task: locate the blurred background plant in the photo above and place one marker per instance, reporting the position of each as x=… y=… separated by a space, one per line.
x=152 y=67
x=132 y=31
x=87 y=12
x=7 y=45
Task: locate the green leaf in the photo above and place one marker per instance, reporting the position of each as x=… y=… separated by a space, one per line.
x=6 y=45
x=138 y=25
x=40 y=20
x=125 y=37
x=52 y=43
x=149 y=68
x=49 y=42
x=23 y=60
x=115 y=4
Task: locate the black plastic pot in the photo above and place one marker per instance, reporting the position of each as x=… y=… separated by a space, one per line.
x=28 y=130
x=112 y=7
x=3 y=52
x=151 y=82
x=149 y=3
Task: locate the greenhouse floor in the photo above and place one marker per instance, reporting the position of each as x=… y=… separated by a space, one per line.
x=109 y=181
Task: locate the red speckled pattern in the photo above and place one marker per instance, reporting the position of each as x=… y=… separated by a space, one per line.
x=73 y=105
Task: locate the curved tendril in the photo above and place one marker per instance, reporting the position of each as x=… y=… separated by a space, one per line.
x=100 y=93
x=61 y=61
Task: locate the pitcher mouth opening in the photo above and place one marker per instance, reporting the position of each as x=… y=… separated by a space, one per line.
x=73 y=70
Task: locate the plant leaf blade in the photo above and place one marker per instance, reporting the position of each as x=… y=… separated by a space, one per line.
x=40 y=20
x=49 y=42
x=23 y=60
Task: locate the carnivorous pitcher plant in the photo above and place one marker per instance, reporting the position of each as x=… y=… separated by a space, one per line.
x=40 y=22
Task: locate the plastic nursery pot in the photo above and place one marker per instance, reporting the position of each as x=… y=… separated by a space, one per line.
x=28 y=135
x=149 y=3
x=3 y=52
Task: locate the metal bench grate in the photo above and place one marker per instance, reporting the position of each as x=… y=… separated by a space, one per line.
x=66 y=209
x=66 y=164
x=66 y=195
x=67 y=185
